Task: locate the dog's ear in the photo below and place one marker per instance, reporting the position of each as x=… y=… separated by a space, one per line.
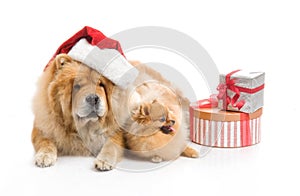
x=61 y=59
x=145 y=109
x=142 y=114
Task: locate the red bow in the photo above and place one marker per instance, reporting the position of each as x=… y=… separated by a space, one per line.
x=211 y=102
x=230 y=84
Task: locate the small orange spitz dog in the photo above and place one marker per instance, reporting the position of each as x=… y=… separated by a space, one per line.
x=154 y=116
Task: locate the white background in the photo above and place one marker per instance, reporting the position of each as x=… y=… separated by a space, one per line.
x=255 y=35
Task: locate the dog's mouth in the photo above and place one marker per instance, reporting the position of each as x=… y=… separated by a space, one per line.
x=92 y=116
x=167 y=129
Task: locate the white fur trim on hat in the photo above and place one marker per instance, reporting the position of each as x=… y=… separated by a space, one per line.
x=109 y=62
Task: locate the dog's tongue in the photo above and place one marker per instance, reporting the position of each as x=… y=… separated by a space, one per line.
x=167 y=129
x=172 y=129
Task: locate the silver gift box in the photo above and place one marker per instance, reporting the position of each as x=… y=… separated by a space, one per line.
x=252 y=82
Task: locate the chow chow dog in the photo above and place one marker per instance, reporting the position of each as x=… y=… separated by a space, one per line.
x=154 y=116
x=73 y=115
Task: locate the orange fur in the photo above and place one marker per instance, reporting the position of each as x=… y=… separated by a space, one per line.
x=60 y=128
x=142 y=133
x=146 y=139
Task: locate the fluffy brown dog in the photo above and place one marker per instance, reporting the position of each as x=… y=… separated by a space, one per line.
x=73 y=115
x=154 y=116
x=156 y=133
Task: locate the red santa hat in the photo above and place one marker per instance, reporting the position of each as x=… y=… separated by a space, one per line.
x=101 y=53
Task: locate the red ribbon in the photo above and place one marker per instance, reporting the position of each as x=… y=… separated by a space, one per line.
x=245 y=129
x=230 y=85
x=244 y=117
x=211 y=102
x=251 y=90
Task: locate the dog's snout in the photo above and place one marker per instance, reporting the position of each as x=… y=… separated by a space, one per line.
x=92 y=99
x=172 y=122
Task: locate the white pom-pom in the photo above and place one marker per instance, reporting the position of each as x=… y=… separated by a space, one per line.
x=109 y=62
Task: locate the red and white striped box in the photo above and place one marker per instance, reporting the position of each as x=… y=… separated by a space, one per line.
x=225 y=129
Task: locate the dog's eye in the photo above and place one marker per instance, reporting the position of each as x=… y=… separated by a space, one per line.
x=76 y=87
x=101 y=84
x=162 y=119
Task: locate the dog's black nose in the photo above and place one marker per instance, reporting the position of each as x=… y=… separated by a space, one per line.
x=92 y=99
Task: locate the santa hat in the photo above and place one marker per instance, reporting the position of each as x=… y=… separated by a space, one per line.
x=103 y=54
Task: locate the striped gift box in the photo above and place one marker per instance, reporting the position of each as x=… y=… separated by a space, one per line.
x=225 y=129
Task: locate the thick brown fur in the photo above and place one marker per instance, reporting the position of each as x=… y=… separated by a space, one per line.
x=65 y=124
x=149 y=97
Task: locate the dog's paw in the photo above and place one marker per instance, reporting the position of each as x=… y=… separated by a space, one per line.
x=190 y=152
x=43 y=159
x=102 y=165
x=156 y=159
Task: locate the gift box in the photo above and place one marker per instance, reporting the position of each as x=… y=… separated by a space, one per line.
x=219 y=128
x=241 y=91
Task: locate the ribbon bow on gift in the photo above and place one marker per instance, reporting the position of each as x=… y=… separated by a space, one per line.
x=211 y=102
x=230 y=84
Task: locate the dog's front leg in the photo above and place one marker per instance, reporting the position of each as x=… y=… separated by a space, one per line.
x=46 y=151
x=110 y=154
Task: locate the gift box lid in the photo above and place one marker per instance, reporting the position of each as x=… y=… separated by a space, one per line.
x=216 y=114
x=246 y=79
